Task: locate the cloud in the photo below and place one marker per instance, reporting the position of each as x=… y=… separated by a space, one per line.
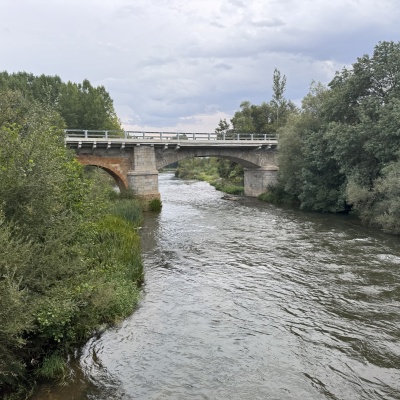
x=183 y=63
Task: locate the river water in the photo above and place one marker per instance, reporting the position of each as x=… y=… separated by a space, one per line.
x=245 y=300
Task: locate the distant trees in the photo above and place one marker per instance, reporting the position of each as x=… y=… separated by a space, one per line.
x=265 y=118
x=81 y=105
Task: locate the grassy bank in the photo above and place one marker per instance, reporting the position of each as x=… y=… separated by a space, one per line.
x=224 y=176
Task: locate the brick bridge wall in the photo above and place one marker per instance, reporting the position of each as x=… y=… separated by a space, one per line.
x=116 y=166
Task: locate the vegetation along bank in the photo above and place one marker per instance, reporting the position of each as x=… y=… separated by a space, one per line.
x=70 y=259
x=340 y=151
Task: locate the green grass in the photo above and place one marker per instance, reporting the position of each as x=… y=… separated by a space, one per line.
x=227 y=187
x=127 y=209
x=53 y=367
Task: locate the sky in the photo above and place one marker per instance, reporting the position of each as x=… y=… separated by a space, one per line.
x=182 y=65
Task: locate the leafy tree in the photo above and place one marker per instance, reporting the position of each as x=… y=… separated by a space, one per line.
x=278 y=101
x=82 y=106
x=348 y=136
x=222 y=129
x=265 y=118
x=242 y=120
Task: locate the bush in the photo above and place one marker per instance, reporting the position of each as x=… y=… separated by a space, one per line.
x=277 y=195
x=155 y=205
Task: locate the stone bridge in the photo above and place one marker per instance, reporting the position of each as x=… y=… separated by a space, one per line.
x=134 y=159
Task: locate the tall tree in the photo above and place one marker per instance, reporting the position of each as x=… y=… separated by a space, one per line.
x=278 y=101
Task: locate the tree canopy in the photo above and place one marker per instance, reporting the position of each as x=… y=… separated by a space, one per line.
x=341 y=152
x=265 y=118
x=81 y=105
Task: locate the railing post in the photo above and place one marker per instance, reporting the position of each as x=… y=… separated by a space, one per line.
x=238 y=136
x=106 y=134
x=194 y=136
x=143 y=134
x=86 y=134
x=125 y=135
x=160 y=135
x=177 y=135
x=209 y=136
x=265 y=136
x=251 y=136
x=223 y=136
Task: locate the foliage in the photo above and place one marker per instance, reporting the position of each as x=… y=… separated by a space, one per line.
x=128 y=210
x=277 y=195
x=224 y=175
x=227 y=187
x=155 y=205
x=197 y=168
x=342 y=151
x=223 y=129
x=53 y=367
x=81 y=105
x=265 y=118
x=64 y=251
x=379 y=206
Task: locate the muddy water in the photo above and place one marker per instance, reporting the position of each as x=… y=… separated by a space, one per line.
x=244 y=300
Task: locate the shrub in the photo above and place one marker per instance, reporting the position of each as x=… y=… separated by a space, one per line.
x=155 y=205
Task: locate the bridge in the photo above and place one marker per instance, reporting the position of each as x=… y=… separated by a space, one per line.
x=134 y=158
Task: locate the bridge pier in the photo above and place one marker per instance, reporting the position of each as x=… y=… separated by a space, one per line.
x=256 y=181
x=143 y=177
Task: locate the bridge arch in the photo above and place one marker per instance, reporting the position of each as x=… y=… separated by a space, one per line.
x=106 y=166
x=248 y=159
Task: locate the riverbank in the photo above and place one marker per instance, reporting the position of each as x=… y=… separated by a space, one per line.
x=105 y=291
x=221 y=174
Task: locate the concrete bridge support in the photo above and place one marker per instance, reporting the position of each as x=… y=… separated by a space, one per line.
x=143 y=178
x=257 y=180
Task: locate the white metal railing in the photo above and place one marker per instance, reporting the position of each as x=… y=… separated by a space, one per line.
x=103 y=134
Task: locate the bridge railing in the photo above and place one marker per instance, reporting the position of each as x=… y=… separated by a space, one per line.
x=103 y=134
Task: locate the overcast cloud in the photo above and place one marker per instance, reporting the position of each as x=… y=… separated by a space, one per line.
x=184 y=64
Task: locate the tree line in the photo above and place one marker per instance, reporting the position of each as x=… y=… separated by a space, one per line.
x=81 y=105
x=340 y=150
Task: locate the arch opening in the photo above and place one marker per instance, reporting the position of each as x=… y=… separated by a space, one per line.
x=222 y=173
x=112 y=174
x=249 y=158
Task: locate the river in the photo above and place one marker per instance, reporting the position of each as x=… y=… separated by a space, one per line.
x=246 y=300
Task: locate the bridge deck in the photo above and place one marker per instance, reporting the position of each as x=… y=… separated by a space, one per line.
x=107 y=139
